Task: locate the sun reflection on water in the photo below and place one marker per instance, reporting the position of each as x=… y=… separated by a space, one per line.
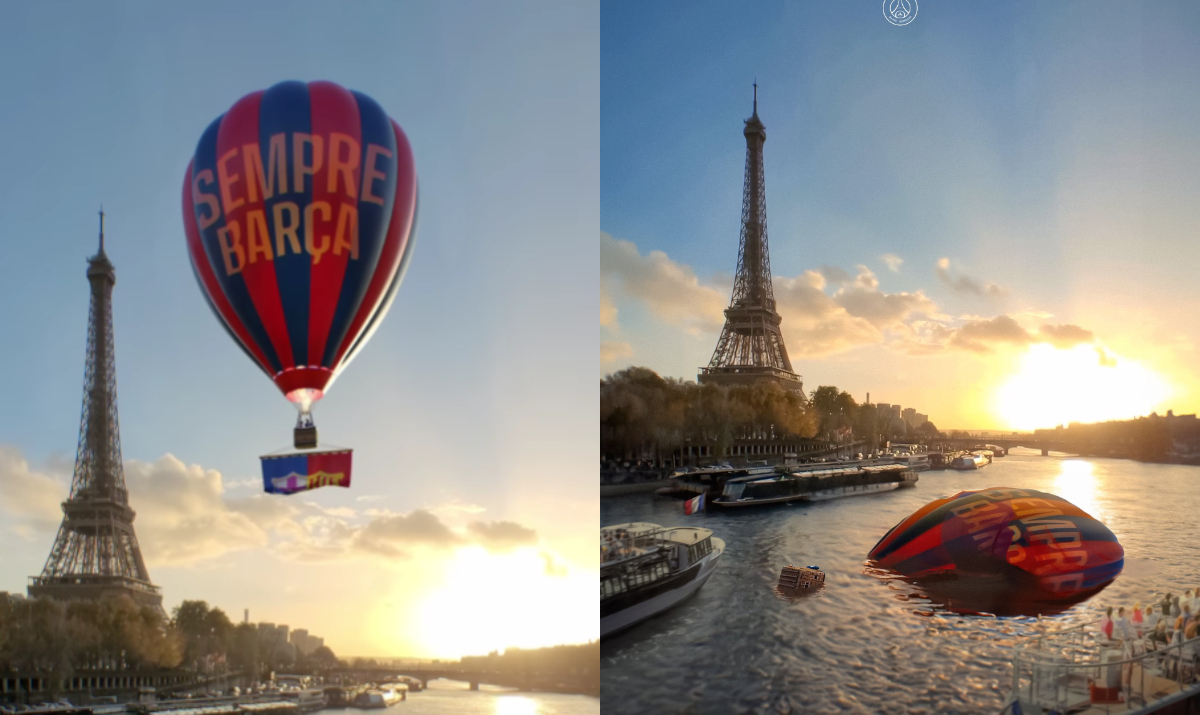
x=515 y=705
x=1076 y=482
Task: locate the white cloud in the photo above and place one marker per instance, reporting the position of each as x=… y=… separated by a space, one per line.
x=966 y=284
x=184 y=516
x=892 y=261
x=608 y=309
x=669 y=290
x=34 y=498
x=613 y=350
x=827 y=311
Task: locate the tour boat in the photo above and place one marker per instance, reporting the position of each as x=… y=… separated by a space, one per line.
x=815 y=483
x=377 y=699
x=970 y=461
x=915 y=461
x=646 y=569
x=306 y=700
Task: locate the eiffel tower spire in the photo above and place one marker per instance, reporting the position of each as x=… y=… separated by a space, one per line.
x=751 y=347
x=96 y=552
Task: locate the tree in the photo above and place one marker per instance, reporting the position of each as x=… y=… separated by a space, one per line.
x=323 y=657
x=927 y=430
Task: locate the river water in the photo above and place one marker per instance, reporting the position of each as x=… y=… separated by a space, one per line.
x=866 y=644
x=444 y=697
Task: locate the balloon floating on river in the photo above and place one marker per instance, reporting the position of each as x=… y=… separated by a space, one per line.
x=299 y=207
x=1014 y=543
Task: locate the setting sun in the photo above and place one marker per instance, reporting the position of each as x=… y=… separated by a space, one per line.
x=1082 y=384
x=488 y=601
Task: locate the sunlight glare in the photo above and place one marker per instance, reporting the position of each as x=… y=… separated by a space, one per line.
x=515 y=705
x=1076 y=482
x=490 y=601
x=1083 y=384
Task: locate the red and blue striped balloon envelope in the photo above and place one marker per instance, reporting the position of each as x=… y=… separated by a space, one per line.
x=1036 y=540
x=299 y=207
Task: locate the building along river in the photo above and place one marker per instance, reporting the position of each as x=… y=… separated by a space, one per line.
x=866 y=643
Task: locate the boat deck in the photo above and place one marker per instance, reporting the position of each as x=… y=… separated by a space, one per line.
x=1059 y=675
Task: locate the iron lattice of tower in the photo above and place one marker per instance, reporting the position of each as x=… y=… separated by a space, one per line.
x=96 y=552
x=751 y=347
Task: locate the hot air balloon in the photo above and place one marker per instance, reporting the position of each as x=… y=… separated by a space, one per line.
x=299 y=207
x=1018 y=544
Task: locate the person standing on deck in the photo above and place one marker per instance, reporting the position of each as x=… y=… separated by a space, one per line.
x=1153 y=618
x=1121 y=628
x=1137 y=620
x=1106 y=624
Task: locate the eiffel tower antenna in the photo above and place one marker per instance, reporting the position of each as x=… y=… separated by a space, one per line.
x=751 y=347
x=96 y=552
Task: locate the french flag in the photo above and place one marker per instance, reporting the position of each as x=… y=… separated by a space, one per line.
x=694 y=506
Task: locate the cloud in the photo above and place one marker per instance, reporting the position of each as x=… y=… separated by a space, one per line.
x=966 y=284
x=502 y=535
x=392 y=535
x=893 y=261
x=1065 y=336
x=827 y=311
x=863 y=299
x=834 y=275
x=817 y=323
x=612 y=350
x=669 y=290
x=33 y=498
x=977 y=334
x=184 y=516
x=608 y=309
x=813 y=323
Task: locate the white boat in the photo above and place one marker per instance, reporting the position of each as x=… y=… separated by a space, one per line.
x=306 y=700
x=916 y=461
x=646 y=569
x=970 y=461
x=377 y=699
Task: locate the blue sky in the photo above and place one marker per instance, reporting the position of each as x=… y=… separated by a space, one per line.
x=469 y=403
x=1045 y=149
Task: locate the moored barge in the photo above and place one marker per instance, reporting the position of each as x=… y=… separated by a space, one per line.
x=814 y=483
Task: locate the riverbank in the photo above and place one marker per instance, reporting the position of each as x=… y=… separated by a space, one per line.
x=637 y=487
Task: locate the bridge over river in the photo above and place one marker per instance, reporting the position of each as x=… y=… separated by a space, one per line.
x=1029 y=442
x=530 y=680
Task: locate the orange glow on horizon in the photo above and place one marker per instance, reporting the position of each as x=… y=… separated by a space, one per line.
x=1054 y=386
x=487 y=601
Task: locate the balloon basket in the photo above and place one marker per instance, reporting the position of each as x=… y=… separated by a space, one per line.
x=305 y=437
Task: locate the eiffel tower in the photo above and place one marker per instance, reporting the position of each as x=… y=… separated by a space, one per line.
x=751 y=347
x=96 y=552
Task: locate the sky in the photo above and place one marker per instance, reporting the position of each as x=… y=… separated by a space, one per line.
x=987 y=214
x=471 y=522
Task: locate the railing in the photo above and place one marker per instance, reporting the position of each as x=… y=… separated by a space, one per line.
x=1071 y=669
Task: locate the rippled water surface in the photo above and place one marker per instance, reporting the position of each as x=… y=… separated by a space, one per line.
x=864 y=644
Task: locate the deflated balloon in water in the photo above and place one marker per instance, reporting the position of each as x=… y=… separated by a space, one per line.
x=299 y=206
x=1035 y=539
